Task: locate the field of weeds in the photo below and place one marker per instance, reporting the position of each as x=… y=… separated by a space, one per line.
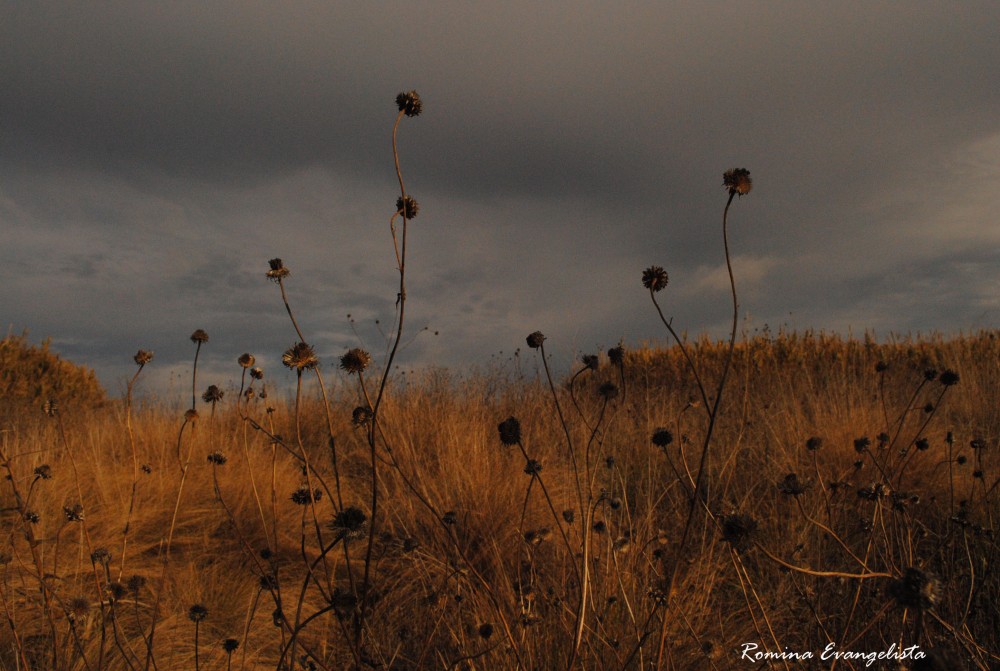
x=794 y=500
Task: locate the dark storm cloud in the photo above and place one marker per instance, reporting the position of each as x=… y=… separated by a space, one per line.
x=153 y=156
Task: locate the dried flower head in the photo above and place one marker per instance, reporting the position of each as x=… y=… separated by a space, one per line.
x=739 y=531
x=300 y=357
x=117 y=590
x=737 y=181
x=302 y=496
x=569 y=515
x=350 y=522
x=535 y=339
x=409 y=103
x=135 y=584
x=31 y=517
x=590 y=361
x=408 y=207
x=814 y=443
x=213 y=394
x=246 y=360
x=792 y=486
x=361 y=415
x=197 y=613
x=655 y=278
x=355 y=360
x=78 y=607
x=510 y=431
x=915 y=589
x=922 y=444
x=190 y=415
x=142 y=357
x=100 y=556
x=949 y=378
x=608 y=391
x=217 y=458
x=861 y=444
x=257 y=373
x=533 y=467
x=616 y=355
x=73 y=513
x=199 y=336
x=485 y=631
x=43 y=472
x=662 y=437
x=230 y=645
x=930 y=374
x=278 y=271
x=881 y=367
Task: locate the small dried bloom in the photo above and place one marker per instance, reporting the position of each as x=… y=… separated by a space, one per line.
x=450 y=518
x=31 y=517
x=861 y=444
x=608 y=391
x=43 y=472
x=922 y=444
x=79 y=607
x=355 y=360
x=662 y=437
x=351 y=522
x=257 y=373
x=737 y=181
x=792 y=486
x=533 y=467
x=191 y=415
x=278 y=270
x=73 y=513
x=535 y=339
x=814 y=443
x=199 y=336
x=977 y=443
x=217 y=458
x=302 y=496
x=213 y=394
x=142 y=357
x=881 y=367
x=590 y=361
x=510 y=431
x=930 y=374
x=197 y=613
x=361 y=415
x=949 y=378
x=915 y=589
x=961 y=460
x=409 y=103
x=117 y=590
x=100 y=556
x=485 y=631
x=246 y=360
x=655 y=278
x=230 y=645
x=300 y=357
x=408 y=207
x=617 y=355
x=135 y=584
x=739 y=531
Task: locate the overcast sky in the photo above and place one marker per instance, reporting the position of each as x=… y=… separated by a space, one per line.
x=154 y=156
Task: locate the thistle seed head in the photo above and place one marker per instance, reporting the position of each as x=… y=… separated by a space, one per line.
x=197 y=613
x=277 y=271
x=199 y=336
x=655 y=278
x=409 y=103
x=949 y=378
x=535 y=339
x=737 y=181
x=257 y=373
x=510 y=431
x=300 y=357
x=662 y=437
x=356 y=360
x=142 y=357
x=246 y=360
x=213 y=394
x=408 y=207
x=217 y=458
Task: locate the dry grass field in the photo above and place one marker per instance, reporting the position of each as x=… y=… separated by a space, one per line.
x=789 y=500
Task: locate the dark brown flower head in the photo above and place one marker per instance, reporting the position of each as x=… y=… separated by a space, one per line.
x=861 y=444
x=213 y=394
x=655 y=278
x=302 y=496
x=881 y=367
x=510 y=431
x=79 y=607
x=739 y=531
x=737 y=181
x=949 y=378
x=361 y=416
x=409 y=103
x=590 y=361
x=792 y=486
x=814 y=443
x=355 y=360
x=100 y=556
x=915 y=589
x=31 y=517
x=408 y=207
x=217 y=458
x=450 y=518
x=533 y=467
x=535 y=339
x=230 y=645
x=922 y=444
x=191 y=415
x=616 y=355
x=246 y=360
x=351 y=523
x=73 y=513
x=135 y=584
x=257 y=373
x=961 y=460
x=199 y=336
x=608 y=391
x=930 y=374
x=43 y=472
x=485 y=631
x=142 y=357
x=197 y=613
x=300 y=357
x=117 y=590
x=278 y=270
x=662 y=437
x=977 y=444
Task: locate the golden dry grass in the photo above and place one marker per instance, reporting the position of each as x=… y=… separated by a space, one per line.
x=455 y=506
